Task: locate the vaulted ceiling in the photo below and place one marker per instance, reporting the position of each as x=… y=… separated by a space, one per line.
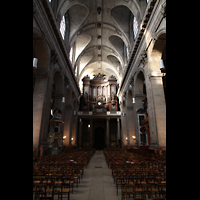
x=101 y=34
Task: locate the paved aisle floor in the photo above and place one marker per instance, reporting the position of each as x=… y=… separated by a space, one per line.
x=96 y=183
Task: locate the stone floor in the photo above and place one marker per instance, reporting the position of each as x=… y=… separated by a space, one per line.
x=97 y=182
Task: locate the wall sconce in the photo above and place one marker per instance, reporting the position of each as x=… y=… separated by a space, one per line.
x=126 y=139
x=72 y=139
x=64 y=137
x=134 y=137
x=88 y=125
x=35 y=60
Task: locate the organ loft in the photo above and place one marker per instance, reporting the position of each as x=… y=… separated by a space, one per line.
x=99 y=94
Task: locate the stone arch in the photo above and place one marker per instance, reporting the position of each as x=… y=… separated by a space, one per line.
x=41 y=52
x=76 y=19
x=118 y=44
x=139 y=83
x=133 y=6
x=156 y=55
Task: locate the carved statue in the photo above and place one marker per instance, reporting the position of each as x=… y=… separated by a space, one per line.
x=99 y=76
x=56 y=113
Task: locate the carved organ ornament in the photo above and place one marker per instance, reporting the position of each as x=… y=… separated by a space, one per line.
x=99 y=94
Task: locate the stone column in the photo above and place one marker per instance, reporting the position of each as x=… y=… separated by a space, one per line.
x=38 y=107
x=157 y=108
x=118 y=131
x=108 y=132
x=67 y=124
x=124 y=128
x=80 y=133
x=91 y=132
x=74 y=128
x=130 y=124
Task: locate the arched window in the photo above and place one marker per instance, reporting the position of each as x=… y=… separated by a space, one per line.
x=135 y=27
x=127 y=54
x=71 y=54
x=62 y=27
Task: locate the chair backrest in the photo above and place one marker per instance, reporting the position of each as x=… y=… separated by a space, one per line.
x=130 y=189
x=55 y=191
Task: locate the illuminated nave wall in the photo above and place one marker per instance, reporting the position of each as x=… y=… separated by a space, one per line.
x=91 y=39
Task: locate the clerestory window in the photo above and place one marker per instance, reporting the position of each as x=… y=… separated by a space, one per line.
x=62 y=27
x=135 y=27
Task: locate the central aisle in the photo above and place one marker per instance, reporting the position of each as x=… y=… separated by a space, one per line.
x=97 y=182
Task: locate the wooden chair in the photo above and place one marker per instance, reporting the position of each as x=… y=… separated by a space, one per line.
x=65 y=190
x=152 y=180
x=138 y=188
x=58 y=179
x=35 y=189
x=40 y=190
x=68 y=181
x=146 y=190
x=129 y=177
x=48 y=188
x=76 y=177
x=56 y=191
x=162 y=190
x=120 y=182
x=130 y=191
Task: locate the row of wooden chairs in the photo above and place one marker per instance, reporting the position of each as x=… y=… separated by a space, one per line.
x=122 y=155
x=148 y=176
x=41 y=190
x=52 y=175
x=130 y=192
x=78 y=156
